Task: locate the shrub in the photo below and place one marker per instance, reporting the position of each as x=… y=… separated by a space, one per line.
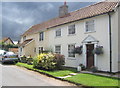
x=98 y=50
x=23 y=59
x=60 y=60
x=44 y=61
x=29 y=60
x=82 y=66
x=49 y=61
x=78 y=50
x=94 y=69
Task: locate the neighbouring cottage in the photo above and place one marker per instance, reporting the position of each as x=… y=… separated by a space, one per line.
x=6 y=40
x=11 y=45
x=91 y=32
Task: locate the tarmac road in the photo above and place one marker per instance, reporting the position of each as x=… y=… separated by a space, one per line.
x=17 y=76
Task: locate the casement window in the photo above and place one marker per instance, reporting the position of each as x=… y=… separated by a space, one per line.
x=71 y=29
x=24 y=38
x=58 y=32
x=40 y=50
x=20 y=49
x=89 y=26
x=41 y=36
x=58 y=49
x=34 y=49
x=71 y=47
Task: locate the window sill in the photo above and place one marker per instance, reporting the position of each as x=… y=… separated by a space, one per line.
x=89 y=32
x=71 y=34
x=71 y=58
x=41 y=41
x=58 y=36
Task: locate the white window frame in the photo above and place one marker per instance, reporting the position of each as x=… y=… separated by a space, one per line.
x=41 y=36
x=57 y=30
x=40 y=50
x=87 y=30
x=35 y=49
x=69 y=33
x=21 y=49
x=70 y=51
x=58 y=51
x=24 y=38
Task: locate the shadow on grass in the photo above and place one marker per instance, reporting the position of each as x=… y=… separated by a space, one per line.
x=8 y=63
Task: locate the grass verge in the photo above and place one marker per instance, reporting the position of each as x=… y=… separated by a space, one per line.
x=57 y=73
x=82 y=78
x=93 y=80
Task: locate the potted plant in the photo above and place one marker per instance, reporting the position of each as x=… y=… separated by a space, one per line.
x=82 y=67
x=78 y=50
x=93 y=69
x=98 y=50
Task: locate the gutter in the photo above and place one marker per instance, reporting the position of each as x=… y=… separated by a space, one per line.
x=110 y=42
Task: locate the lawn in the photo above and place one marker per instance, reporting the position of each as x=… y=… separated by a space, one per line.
x=56 y=73
x=93 y=80
x=82 y=78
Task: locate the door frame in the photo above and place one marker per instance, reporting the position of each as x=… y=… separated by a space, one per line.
x=85 y=53
x=87 y=63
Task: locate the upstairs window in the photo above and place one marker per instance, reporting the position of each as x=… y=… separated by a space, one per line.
x=71 y=48
x=58 y=32
x=89 y=26
x=41 y=36
x=24 y=38
x=58 y=49
x=71 y=29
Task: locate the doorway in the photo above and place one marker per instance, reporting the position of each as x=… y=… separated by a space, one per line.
x=89 y=55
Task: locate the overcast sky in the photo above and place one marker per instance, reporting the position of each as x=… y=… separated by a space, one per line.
x=17 y=17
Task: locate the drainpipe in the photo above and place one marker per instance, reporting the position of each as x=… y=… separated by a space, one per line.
x=110 y=42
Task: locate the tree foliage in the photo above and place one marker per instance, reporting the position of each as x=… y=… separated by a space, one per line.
x=7 y=46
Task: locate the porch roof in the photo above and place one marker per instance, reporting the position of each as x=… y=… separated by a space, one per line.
x=25 y=42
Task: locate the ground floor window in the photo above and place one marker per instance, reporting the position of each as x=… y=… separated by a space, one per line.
x=71 y=47
x=40 y=50
x=34 y=49
x=20 y=49
x=58 y=49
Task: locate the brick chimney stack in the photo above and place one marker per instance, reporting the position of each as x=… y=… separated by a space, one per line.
x=63 y=10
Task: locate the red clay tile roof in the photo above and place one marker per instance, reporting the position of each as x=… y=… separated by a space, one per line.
x=89 y=11
x=15 y=50
x=25 y=42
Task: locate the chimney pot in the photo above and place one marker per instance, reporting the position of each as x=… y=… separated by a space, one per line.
x=63 y=10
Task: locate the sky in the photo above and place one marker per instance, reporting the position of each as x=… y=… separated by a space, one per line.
x=18 y=17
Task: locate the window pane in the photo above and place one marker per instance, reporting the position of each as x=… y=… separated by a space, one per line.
x=40 y=50
x=58 y=49
x=90 y=26
x=41 y=36
x=58 y=32
x=70 y=50
x=71 y=29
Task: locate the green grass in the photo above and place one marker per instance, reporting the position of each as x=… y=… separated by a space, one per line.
x=82 y=78
x=93 y=80
x=56 y=73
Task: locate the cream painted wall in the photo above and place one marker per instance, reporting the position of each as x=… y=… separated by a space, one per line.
x=114 y=30
x=29 y=49
x=119 y=38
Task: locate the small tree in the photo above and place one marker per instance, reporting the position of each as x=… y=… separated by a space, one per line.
x=60 y=60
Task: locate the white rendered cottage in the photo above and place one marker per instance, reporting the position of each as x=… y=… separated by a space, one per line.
x=95 y=26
